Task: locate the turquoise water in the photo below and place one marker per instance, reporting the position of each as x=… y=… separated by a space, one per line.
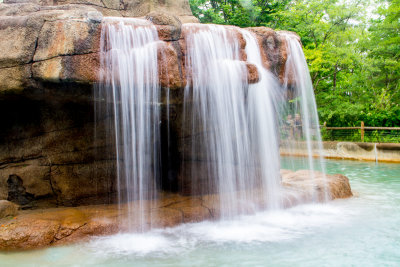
x=361 y=231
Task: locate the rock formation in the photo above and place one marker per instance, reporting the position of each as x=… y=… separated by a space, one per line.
x=123 y=8
x=33 y=229
x=47 y=76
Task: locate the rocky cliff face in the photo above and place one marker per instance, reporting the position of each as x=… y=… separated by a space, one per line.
x=48 y=69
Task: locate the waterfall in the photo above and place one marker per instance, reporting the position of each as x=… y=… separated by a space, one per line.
x=233 y=123
x=263 y=102
x=376 y=153
x=232 y=126
x=130 y=94
x=303 y=109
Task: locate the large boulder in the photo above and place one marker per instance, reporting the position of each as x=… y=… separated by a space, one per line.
x=317 y=185
x=42 y=42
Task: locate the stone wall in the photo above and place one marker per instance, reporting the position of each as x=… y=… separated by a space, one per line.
x=379 y=152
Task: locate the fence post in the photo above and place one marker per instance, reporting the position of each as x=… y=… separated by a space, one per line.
x=362 y=131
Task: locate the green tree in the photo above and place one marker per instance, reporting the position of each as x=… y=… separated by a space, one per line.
x=354 y=61
x=242 y=13
x=384 y=50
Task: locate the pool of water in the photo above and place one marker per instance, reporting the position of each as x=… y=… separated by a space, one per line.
x=361 y=231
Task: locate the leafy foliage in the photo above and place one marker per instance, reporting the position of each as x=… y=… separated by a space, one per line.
x=352 y=48
x=242 y=13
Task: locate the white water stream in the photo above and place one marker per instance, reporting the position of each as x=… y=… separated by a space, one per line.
x=297 y=78
x=239 y=141
x=130 y=82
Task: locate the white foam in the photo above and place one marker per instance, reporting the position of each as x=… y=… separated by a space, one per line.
x=272 y=226
x=138 y=244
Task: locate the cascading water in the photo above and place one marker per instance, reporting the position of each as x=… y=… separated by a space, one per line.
x=216 y=90
x=303 y=109
x=238 y=142
x=234 y=143
x=129 y=92
x=263 y=98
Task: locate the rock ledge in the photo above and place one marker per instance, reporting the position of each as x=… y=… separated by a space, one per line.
x=58 y=226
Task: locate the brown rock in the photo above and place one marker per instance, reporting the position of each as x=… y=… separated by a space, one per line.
x=168 y=32
x=33 y=229
x=339 y=186
x=273 y=56
x=125 y=8
x=14 y=79
x=76 y=182
x=240 y=38
x=28 y=234
x=168 y=67
x=137 y=8
x=252 y=73
x=317 y=184
x=50 y=70
x=19 y=35
x=67 y=37
x=33 y=33
x=168 y=26
x=34 y=178
x=7 y=208
x=18 y=9
x=68 y=68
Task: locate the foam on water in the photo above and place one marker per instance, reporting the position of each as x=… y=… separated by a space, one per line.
x=361 y=231
x=264 y=227
x=139 y=244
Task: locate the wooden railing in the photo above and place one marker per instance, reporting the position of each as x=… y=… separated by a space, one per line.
x=381 y=134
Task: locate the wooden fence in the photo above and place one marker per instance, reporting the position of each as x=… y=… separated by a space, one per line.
x=362 y=133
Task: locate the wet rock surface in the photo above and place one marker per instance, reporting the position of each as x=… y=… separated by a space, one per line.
x=57 y=226
x=7 y=209
x=317 y=186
